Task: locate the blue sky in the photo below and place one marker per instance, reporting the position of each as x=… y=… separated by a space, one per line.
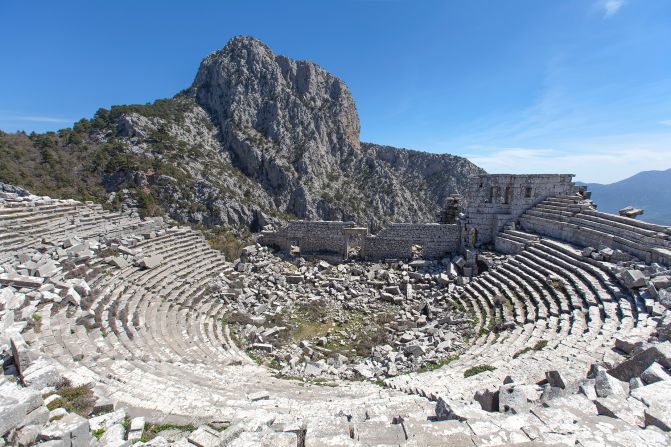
x=579 y=86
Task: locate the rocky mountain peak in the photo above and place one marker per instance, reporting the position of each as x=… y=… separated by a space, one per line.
x=250 y=90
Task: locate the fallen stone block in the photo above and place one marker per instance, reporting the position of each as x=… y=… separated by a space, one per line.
x=20 y=352
x=661 y=282
x=82 y=287
x=47 y=269
x=114 y=436
x=634 y=367
x=103 y=405
x=555 y=379
x=32 y=399
x=107 y=420
x=488 y=399
x=654 y=373
x=629 y=410
x=72 y=429
x=587 y=387
x=73 y=297
x=205 y=436
x=633 y=279
x=657 y=397
x=27 y=435
x=20 y=280
x=119 y=262
x=516 y=398
x=628 y=344
x=414 y=350
x=12 y=412
x=39 y=416
x=151 y=262
x=136 y=428
x=42 y=373
x=604 y=384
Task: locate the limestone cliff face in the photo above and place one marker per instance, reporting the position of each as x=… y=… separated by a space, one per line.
x=286 y=123
x=294 y=128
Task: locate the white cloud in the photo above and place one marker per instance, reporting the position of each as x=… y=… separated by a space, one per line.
x=603 y=160
x=611 y=7
x=665 y=122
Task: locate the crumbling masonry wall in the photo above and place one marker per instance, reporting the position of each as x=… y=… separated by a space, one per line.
x=396 y=241
x=494 y=200
x=312 y=237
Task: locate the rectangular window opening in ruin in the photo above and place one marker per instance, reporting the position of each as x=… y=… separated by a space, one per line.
x=492 y=191
x=527 y=192
x=509 y=196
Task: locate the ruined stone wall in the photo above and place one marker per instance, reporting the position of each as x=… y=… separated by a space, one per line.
x=397 y=241
x=312 y=237
x=492 y=201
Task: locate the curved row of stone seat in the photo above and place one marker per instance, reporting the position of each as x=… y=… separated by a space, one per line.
x=137 y=337
x=180 y=392
x=142 y=305
x=27 y=225
x=571 y=303
x=568 y=219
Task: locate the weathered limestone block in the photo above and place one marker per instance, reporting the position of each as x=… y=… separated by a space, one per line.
x=31 y=398
x=516 y=398
x=42 y=373
x=115 y=436
x=20 y=352
x=659 y=416
x=627 y=409
x=205 y=436
x=606 y=385
x=641 y=361
x=488 y=399
x=294 y=279
x=27 y=435
x=107 y=420
x=654 y=373
x=39 y=416
x=136 y=428
x=657 y=397
x=12 y=412
x=151 y=262
x=72 y=429
x=119 y=262
x=633 y=278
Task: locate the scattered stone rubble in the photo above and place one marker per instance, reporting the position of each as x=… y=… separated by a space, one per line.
x=419 y=325
x=553 y=345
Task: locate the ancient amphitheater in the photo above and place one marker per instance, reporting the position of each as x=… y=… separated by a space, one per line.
x=526 y=317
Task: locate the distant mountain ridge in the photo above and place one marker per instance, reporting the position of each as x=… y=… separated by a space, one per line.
x=649 y=190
